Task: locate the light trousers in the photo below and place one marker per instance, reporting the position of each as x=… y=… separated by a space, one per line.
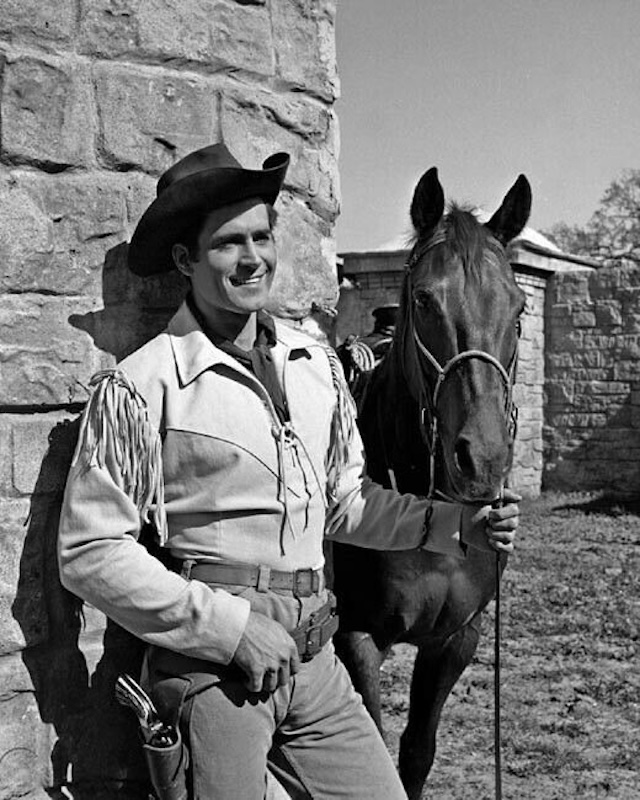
x=314 y=734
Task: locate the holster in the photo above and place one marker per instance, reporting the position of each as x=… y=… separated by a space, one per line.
x=168 y=770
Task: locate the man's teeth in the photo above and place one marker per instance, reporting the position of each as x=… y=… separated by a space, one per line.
x=245 y=281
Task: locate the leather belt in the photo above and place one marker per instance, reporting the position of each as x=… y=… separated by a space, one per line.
x=301 y=582
x=312 y=635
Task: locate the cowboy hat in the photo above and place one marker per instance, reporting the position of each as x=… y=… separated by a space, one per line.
x=200 y=182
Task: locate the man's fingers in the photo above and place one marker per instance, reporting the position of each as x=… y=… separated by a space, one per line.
x=506 y=518
x=509 y=496
x=501 y=540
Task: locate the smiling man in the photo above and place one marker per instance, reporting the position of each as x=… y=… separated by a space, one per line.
x=235 y=434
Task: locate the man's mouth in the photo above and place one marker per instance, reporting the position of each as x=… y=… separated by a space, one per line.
x=236 y=280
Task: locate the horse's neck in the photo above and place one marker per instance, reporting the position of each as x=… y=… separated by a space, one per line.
x=390 y=426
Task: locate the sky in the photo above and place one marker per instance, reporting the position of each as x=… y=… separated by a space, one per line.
x=484 y=90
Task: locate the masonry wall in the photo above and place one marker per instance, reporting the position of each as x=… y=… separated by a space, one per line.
x=97 y=99
x=378 y=280
x=592 y=414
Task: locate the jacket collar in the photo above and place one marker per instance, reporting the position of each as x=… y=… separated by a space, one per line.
x=194 y=352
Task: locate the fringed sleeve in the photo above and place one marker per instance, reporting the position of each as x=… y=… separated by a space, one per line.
x=343 y=424
x=116 y=425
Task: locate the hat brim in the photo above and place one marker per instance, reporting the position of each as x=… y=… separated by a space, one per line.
x=170 y=214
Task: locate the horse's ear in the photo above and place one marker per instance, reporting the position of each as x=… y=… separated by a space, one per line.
x=514 y=212
x=427 y=205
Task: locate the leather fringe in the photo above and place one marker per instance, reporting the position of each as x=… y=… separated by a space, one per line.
x=343 y=424
x=116 y=421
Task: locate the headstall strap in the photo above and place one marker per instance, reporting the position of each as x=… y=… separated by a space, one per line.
x=428 y=405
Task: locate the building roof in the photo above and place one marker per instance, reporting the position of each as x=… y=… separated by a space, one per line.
x=548 y=256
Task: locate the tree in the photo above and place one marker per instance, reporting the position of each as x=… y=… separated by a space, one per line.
x=612 y=235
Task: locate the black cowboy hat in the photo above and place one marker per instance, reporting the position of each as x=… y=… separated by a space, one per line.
x=200 y=182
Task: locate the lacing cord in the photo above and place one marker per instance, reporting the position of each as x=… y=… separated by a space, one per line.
x=286 y=438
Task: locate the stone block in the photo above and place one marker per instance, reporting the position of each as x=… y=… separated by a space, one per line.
x=306 y=275
x=23 y=615
x=26 y=238
x=306 y=130
x=244 y=40
x=583 y=319
x=211 y=33
x=38 y=20
x=47 y=111
x=43 y=445
x=625 y=370
x=150 y=118
x=74 y=221
x=305 y=36
x=608 y=313
x=44 y=359
x=116 y=28
x=570 y=287
x=25 y=740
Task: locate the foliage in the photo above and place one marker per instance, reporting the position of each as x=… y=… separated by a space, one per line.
x=612 y=235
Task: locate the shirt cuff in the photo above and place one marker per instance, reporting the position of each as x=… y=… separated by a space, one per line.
x=443 y=525
x=232 y=612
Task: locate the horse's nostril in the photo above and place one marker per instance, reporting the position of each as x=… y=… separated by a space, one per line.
x=464 y=461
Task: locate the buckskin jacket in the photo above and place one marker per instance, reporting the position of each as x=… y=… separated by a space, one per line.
x=181 y=432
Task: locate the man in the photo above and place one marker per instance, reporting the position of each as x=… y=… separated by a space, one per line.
x=384 y=325
x=236 y=435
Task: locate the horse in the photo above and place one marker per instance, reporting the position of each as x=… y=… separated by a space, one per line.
x=437 y=419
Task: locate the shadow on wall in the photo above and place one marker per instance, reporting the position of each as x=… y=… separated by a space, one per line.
x=134 y=309
x=97 y=755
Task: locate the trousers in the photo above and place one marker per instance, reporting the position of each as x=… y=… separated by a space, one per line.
x=314 y=735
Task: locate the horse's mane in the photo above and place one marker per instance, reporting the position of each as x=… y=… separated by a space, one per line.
x=463 y=235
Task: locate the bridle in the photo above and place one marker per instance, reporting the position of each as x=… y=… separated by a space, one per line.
x=429 y=416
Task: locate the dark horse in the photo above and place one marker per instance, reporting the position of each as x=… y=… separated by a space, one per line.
x=437 y=419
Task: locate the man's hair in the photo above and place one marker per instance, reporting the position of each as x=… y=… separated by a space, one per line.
x=190 y=236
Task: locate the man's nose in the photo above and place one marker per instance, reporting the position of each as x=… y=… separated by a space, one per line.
x=249 y=255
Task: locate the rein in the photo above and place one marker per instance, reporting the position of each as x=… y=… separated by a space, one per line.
x=433 y=437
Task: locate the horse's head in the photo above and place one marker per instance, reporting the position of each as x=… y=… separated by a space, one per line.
x=459 y=336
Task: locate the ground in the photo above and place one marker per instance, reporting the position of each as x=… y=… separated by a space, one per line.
x=570 y=676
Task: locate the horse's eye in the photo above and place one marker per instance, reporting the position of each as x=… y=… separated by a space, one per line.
x=518 y=328
x=421 y=298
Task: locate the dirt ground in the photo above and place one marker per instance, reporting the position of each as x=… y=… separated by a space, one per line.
x=570 y=683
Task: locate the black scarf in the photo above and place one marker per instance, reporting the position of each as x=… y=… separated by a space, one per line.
x=258 y=360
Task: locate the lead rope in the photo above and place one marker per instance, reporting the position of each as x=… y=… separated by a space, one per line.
x=496 y=688
x=497 y=735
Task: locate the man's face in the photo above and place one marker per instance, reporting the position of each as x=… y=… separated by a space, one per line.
x=236 y=259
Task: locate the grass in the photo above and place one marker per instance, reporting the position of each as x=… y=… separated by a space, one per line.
x=570 y=672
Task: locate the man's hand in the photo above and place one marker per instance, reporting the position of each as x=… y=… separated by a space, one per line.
x=266 y=654
x=491 y=528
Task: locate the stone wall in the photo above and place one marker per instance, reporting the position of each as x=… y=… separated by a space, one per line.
x=97 y=98
x=592 y=415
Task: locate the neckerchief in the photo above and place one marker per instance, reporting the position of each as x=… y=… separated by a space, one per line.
x=258 y=360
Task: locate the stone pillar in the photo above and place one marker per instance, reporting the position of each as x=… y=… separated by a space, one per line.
x=97 y=99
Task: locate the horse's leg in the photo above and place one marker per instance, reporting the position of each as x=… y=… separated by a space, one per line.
x=360 y=655
x=434 y=675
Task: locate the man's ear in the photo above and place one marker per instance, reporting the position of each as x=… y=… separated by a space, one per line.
x=181 y=259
